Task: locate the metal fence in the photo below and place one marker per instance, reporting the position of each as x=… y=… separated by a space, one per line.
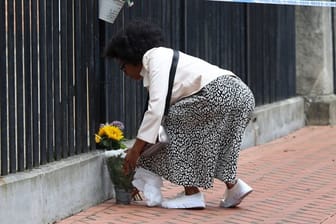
x=257 y=42
x=333 y=21
x=49 y=72
x=55 y=88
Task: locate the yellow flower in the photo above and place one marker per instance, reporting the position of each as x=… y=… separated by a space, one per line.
x=98 y=138
x=114 y=133
x=110 y=136
x=101 y=131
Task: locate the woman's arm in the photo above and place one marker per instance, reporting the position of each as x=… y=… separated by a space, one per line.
x=133 y=155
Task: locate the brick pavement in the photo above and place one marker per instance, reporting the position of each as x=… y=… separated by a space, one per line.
x=294 y=181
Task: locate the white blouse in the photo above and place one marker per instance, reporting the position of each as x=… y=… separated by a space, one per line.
x=192 y=74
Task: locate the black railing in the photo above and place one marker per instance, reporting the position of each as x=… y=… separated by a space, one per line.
x=255 y=41
x=55 y=88
x=49 y=75
x=333 y=22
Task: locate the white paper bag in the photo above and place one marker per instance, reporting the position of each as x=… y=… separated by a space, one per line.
x=150 y=184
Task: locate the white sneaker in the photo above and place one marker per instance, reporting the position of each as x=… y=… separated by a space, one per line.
x=235 y=195
x=194 y=201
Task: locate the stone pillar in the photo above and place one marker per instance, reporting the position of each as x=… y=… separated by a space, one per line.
x=314 y=64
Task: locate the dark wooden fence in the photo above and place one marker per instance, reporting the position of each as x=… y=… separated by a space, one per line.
x=333 y=21
x=49 y=75
x=255 y=41
x=55 y=88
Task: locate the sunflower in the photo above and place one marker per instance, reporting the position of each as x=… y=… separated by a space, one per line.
x=97 y=139
x=114 y=132
x=110 y=136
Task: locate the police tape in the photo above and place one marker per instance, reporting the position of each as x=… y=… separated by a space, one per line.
x=285 y=2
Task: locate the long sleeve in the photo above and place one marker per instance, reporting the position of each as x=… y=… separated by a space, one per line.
x=156 y=76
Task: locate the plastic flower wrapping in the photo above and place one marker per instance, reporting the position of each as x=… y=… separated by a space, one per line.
x=110 y=136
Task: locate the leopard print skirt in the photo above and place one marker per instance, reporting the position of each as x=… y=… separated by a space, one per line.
x=206 y=131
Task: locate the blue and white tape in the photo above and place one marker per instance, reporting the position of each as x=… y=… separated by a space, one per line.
x=285 y=2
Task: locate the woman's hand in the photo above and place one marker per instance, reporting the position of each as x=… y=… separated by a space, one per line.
x=130 y=160
x=133 y=155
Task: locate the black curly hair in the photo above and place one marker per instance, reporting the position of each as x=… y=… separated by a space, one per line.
x=131 y=43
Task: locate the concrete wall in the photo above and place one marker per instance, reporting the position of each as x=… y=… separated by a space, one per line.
x=274 y=120
x=314 y=64
x=314 y=52
x=60 y=189
x=54 y=191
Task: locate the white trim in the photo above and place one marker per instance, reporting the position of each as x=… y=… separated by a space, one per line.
x=285 y=2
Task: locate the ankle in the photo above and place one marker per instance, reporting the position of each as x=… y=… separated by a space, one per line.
x=230 y=185
x=191 y=190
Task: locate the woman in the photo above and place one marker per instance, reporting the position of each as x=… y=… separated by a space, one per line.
x=210 y=109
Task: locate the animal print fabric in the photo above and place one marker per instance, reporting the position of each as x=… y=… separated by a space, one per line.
x=206 y=131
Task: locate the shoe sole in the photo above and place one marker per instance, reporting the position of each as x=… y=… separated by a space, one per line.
x=191 y=208
x=241 y=199
x=179 y=203
x=195 y=208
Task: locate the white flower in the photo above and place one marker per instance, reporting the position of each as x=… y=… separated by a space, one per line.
x=115 y=153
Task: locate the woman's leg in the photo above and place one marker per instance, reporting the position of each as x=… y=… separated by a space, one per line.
x=231 y=185
x=236 y=115
x=235 y=194
x=191 y=190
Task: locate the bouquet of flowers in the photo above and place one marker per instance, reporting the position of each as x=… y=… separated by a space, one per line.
x=110 y=136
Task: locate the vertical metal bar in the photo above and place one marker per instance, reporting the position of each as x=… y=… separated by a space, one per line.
x=19 y=85
x=79 y=74
x=275 y=51
x=71 y=62
x=280 y=88
x=243 y=48
x=239 y=48
x=290 y=55
x=333 y=30
x=35 y=82
x=58 y=128
x=279 y=41
x=99 y=73
x=49 y=80
x=115 y=95
x=84 y=75
x=107 y=77
x=64 y=47
x=183 y=23
x=253 y=43
x=11 y=87
x=43 y=81
x=92 y=76
x=268 y=44
x=261 y=53
x=28 y=82
x=3 y=92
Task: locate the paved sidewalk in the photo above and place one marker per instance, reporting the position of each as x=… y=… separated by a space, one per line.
x=294 y=181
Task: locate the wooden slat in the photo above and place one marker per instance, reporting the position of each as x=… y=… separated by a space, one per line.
x=28 y=83
x=3 y=93
x=19 y=86
x=11 y=88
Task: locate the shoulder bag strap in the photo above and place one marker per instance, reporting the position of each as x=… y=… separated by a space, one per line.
x=171 y=80
x=170 y=84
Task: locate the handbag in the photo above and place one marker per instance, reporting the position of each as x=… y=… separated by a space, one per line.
x=163 y=137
